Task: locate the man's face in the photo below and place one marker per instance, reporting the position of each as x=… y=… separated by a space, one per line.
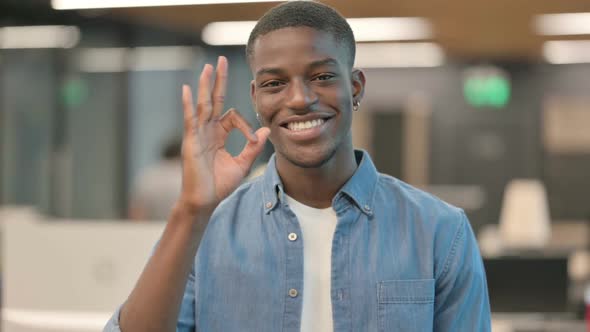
x=303 y=89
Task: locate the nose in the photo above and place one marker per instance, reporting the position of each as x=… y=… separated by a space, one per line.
x=301 y=96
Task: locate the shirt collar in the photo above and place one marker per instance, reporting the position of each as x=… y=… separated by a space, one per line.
x=360 y=188
x=272 y=185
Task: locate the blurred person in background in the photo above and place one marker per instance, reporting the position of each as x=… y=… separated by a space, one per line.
x=321 y=241
x=157 y=187
x=256 y=172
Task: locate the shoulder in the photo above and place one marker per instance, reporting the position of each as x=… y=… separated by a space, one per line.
x=423 y=217
x=247 y=195
x=408 y=199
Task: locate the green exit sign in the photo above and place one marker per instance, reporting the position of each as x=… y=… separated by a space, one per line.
x=486 y=87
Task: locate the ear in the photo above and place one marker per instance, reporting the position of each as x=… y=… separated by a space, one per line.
x=253 y=93
x=358 y=84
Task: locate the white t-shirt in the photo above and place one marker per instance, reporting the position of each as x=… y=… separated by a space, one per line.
x=317 y=226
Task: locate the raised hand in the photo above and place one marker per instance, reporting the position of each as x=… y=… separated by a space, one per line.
x=209 y=172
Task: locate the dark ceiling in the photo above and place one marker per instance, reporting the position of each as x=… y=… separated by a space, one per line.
x=466 y=29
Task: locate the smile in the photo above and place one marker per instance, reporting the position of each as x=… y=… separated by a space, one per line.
x=303 y=125
x=305 y=130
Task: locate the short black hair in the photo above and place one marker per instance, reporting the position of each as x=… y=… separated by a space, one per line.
x=304 y=14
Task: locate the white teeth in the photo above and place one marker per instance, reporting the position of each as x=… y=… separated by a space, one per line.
x=297 y=126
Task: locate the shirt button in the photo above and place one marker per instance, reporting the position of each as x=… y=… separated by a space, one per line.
x=292 y=236
x=268 y=205
x=367 y=208
x=293 y=292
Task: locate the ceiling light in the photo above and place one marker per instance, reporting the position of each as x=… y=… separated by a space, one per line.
x=567 y=51
x=153 y=58
x=41 y=36
x=227 y=33
x=364 y=29
x=390 y=28
x=166 y=58
x=391 y=55
x=102 y=60
x=562 y=24
x=93 y=4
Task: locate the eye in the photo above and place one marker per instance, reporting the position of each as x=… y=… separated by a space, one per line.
x=271 y=84
x=324 y=77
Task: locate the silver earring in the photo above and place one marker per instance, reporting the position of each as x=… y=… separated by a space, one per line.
x=258 y=116
x=355 y=105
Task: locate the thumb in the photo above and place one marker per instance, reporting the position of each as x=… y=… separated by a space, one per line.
x=252 y=149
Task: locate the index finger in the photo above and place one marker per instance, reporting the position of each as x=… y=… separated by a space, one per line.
x=233 y=119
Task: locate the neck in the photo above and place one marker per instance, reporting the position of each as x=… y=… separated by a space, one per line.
x=316 y=187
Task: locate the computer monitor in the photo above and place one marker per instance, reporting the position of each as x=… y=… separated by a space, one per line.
x=528 y=284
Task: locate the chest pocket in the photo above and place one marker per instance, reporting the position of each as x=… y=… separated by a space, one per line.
x=406 y=305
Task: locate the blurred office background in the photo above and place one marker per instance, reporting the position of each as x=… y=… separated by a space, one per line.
x=486 y=104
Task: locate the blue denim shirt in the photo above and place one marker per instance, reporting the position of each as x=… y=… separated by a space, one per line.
x=402 y=260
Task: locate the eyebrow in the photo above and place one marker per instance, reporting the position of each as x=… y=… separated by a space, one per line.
x=324 y=62
x=314 y=64
x=271 y=71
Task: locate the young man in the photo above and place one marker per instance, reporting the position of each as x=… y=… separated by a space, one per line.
x=320 y=242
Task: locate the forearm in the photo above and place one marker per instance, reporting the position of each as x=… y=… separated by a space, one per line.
x=154 y=303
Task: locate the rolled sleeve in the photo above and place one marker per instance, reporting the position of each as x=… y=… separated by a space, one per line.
x=186 y=316
x=462 y=302
x=113 y=323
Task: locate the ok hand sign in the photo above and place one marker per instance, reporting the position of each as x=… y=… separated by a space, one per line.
x=209 y=172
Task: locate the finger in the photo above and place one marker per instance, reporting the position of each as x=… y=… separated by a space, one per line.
x=252 y=149
x=188 y=108
x=232 y=119
x=220 y=87
x=204 y=95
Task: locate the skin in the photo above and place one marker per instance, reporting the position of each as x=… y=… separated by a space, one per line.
x=312 y=167
x=301 y=73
